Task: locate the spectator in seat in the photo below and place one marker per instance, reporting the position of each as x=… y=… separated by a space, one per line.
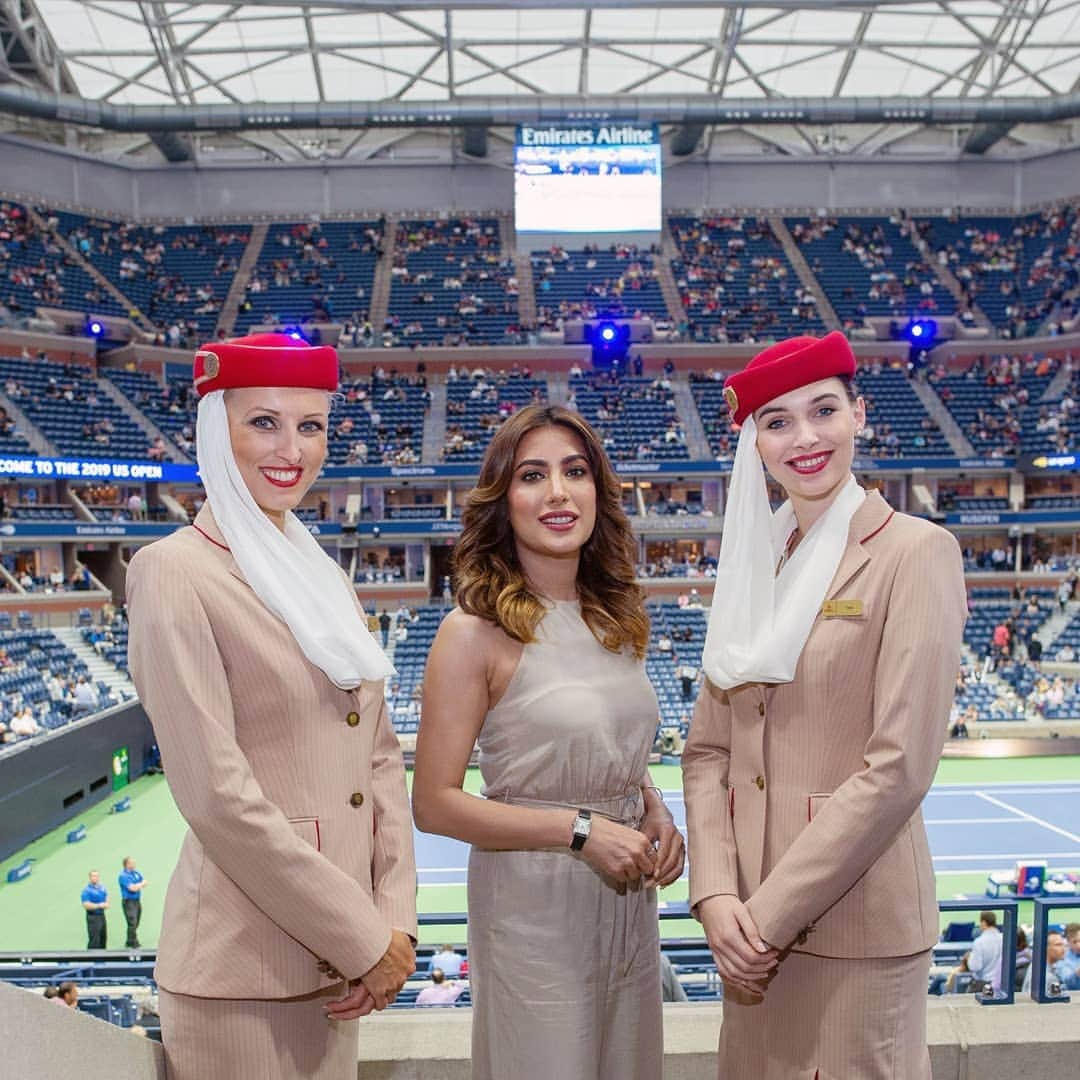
x=1070 y=963
x=67 y=993
x=1056 y=976
x=448 y=961
x=984 y=959
x=23 y=723
x=86 y=697
x=1023 y=958
x=442 y=991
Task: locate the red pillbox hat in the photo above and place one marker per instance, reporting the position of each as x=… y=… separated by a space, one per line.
x=784 y=367
x=265 y=360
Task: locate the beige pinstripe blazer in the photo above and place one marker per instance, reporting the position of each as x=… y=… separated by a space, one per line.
x=804 y=798
x=300 y=845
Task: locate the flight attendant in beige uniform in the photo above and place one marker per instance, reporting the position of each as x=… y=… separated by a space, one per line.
x=831 y=656
x=291 y=908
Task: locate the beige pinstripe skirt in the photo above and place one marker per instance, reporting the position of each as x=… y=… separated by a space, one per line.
x=227 y=1039
x=831 y=1019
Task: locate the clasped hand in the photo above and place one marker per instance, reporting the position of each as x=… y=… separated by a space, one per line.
x=377 y=988
x=655 y=853
x=742 y=957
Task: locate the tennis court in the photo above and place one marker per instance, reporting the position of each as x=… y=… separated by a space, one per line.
x=981 y=816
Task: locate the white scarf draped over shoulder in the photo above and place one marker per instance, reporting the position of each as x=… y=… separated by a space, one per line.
x=289 y=572
x=760 y=619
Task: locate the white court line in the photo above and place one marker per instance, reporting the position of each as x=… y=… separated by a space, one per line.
x=974 y=789
x=973 y=821
x=1030 y=817
x=1007 y=856
x=443 y=869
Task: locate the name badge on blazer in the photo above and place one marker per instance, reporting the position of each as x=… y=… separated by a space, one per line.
x=842 y=609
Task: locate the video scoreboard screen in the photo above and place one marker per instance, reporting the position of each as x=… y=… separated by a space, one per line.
x=587 y=178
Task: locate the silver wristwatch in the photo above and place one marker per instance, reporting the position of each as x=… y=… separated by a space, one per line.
x=582 y=827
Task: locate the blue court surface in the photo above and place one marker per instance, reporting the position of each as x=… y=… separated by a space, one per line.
x=973 y=828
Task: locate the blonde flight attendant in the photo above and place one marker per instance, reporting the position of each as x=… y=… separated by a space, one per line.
x=291 y=908
x=541 y=664
x=831 y=656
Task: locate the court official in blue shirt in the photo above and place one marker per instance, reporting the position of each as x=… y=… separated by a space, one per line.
x=95 y=899
x=131 y=887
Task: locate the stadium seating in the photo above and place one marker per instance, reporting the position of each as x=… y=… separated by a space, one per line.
x=72 y=411
x=869 y=266
x=174 y=274
x=736 y=283
x=27 y=657
x=38 y=272
x=410 y=659
x=620 y=280
x=997 y=403
x=686 y=626
x=312 y=270
x=477 y=406
x=635 y=417
x=451 y=284
x=170 y=406
x=1016 y=269
x=379 y=420
x=900 y=423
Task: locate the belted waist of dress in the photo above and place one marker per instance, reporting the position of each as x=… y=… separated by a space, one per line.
x=627 y=808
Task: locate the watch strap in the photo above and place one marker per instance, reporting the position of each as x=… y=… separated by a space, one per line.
x=582 y=827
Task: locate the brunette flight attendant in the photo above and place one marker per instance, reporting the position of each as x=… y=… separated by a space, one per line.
x=832 y=652
x=541 y=663
x=291 y=909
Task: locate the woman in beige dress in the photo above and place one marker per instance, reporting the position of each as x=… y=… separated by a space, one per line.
x=542 y=665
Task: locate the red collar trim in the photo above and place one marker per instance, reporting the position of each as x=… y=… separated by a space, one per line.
x=870 y=536
x=216 y=543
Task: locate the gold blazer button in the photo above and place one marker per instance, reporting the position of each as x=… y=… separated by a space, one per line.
x=352 y=719
x=760 y=782
x=356 y=798
x=761 y=708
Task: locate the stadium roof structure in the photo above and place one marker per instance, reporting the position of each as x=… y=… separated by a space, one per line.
x=369 y=81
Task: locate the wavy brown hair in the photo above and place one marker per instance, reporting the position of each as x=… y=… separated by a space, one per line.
x=490 y=581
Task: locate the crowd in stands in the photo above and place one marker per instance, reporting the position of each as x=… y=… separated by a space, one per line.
x=635 y=417
x=1021 y=272
x=38 y=272
x=478 y=401
x=736 y=284
x=71 y=409
x=994 y=400
x=43 y=685
x=871 y=267
x=617 y=280
x=451 y=284
x=176 y=276
x=666 y=566
x=313 y=271
x=379 y=419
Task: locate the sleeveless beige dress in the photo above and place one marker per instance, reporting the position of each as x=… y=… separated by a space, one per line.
x=564 y=965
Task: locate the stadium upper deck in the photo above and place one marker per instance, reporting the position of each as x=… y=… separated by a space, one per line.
x=454 y=280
